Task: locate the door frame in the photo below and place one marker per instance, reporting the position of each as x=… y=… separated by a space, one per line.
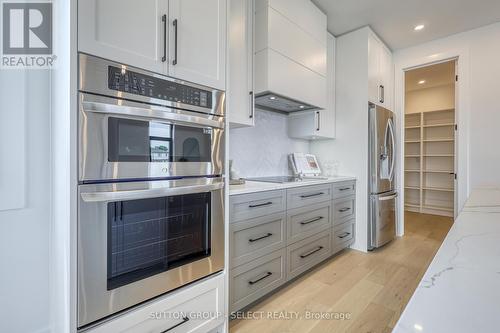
x=416 y=58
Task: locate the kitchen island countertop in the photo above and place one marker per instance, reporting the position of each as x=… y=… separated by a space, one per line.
x=460 y=291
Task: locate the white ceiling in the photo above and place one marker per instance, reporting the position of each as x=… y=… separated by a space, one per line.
x=394 y=20
x=435 y=75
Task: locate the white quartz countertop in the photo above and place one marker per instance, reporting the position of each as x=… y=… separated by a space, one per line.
x=460 y=292
x=252 y=187
x=483 y=199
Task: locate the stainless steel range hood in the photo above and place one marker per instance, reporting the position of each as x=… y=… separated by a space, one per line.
x=274 y=102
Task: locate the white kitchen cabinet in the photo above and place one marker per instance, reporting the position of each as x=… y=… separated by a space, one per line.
x=319 y=124
x=387 y=77
x=380 y=73
x=126 y=31
x=197 y=40
x=290 y=54
x=240 y=63
x=191 y=309
x=185 y=39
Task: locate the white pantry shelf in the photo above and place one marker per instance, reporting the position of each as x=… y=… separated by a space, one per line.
x=440 y=189
x=429 y=166
x=439 y=140
x=439 y=125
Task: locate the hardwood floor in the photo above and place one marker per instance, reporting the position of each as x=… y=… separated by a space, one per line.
x=371 y=288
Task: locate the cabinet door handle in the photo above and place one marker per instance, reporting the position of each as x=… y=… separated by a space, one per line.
x=251 y=240
x=174 y=62
x=319 y=121
x=164 y=20
x=312 y=220
x=252 y=106
x=311 y=195
x=344 y=188
x=261 y=205
x=305 y=255
x=344 y=235
x=382 y=94
x=342 y=210
x=184 y=320
x=252 y=282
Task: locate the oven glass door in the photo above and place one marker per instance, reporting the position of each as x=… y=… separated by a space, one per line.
x=150 y=236
x=131 y=140
x=140 y=240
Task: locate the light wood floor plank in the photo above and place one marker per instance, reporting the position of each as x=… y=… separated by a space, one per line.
x=372 y=287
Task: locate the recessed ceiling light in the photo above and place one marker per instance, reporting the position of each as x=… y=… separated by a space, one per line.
x=301 y=106
x=419 y=27
x=421 y=82
x=272 y=98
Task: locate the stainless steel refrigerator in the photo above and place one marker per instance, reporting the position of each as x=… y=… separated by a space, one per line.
x=382 y=190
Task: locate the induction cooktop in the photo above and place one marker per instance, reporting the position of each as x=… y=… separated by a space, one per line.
x=283 y=179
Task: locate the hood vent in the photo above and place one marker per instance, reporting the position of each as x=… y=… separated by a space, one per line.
x=274 y=102
x=290 y=67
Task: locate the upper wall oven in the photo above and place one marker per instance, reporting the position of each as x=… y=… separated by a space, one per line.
x=145 y=126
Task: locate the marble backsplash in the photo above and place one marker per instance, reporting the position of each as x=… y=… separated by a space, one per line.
x=263 y=150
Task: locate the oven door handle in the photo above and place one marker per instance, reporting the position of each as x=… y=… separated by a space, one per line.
x=149 y=113
x=149 y=193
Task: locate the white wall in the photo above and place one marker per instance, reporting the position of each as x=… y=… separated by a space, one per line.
x=430 y=99
x=263 y=150
x=25 y=231
x=479 y=108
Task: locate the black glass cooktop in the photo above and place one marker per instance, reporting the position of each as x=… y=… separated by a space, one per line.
x=276 y=179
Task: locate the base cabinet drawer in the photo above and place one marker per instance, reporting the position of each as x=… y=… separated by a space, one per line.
x=247 y=206
x=307 y=253
x=254 y=238
x=343 y=235
x=307 y=221
x=194 y=309
x=309 y=195
x=344 y=209
x=251 y=281
x=343 y=189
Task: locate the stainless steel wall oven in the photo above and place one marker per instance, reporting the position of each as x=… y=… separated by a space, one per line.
x=151 y=203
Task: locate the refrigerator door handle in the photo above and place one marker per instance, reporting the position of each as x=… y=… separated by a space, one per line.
x=393 y=147
x=390 y=197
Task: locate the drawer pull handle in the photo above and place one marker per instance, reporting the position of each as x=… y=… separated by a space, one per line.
x=305 y=255
x=251 y=240
x=344 y=188
x=261 y=205
x=184 y=320
x=252 y=282
x=342 y=210
x=311 y=195
x=312 y=220
x=344 y=235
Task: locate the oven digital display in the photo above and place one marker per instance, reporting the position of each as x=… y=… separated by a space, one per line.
x=149 y=86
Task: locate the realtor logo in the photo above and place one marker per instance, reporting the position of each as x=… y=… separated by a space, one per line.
x=27 y=31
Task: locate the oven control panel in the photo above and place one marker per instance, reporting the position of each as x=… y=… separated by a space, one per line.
x=149 y=86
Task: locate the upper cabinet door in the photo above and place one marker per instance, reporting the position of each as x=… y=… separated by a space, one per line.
x=380 y=73
x=197 y=33
x=240 y=110
x=327 y=116
x=126 y=31
x=374 y=82
x=387 y=78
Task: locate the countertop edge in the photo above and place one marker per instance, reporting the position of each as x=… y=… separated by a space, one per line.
x=255 y=187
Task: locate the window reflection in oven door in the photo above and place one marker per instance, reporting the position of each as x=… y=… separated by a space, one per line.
x=140 y=240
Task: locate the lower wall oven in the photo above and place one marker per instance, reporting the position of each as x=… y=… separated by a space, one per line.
x=139 y=240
